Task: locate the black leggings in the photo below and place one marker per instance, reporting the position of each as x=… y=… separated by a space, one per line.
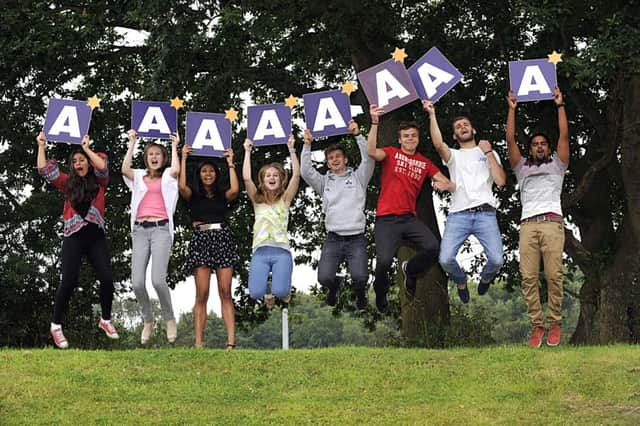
x=89 y=241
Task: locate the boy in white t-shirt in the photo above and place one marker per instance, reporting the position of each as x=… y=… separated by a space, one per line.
x=474 y=168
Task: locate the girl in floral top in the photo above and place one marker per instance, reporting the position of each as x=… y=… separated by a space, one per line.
x=271 y=200
x=83 y=214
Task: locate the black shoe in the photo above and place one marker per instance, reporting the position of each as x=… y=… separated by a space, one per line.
x=381 y=302
x=463 y=294
x=483 y=287
x=409 y=281
x=332 y=296
x=361 y=300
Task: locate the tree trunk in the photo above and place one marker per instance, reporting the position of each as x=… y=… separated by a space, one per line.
x=610 y=296
x=610 y=301
x=425 y=319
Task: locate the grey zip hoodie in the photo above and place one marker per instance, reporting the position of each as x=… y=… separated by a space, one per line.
x=344 y=195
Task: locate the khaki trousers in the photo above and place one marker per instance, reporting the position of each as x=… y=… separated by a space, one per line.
x=546 y=240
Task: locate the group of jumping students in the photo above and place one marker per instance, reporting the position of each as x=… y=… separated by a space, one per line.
x=473 y=168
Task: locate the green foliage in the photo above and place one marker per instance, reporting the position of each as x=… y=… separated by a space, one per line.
x=213 y=53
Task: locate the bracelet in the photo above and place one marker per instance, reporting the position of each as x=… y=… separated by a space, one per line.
x=560 y=105
x=231 y=166
x=486 y=152
x=374 y=122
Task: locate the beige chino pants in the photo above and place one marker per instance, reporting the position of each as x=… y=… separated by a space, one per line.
x=546 y=240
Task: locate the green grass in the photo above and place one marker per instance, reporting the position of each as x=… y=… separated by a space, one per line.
x=492 y=385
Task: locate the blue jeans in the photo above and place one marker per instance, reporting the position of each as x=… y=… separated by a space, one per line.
x=267 y=259
x=335 y=250
x=459 y=226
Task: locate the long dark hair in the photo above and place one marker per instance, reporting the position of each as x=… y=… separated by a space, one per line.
x=79 y=189
x=198 y=187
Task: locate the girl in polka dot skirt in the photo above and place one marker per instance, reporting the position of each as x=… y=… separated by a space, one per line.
x=212 y=247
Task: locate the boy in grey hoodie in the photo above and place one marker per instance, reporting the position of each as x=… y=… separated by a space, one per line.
x=344 y=192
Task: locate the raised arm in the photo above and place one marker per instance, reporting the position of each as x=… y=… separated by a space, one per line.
x=512 y=147
x=175 y=161
x=307 y=171
x=246 y=170
x=372 y=141
x=234 y=185
x=184 y=189
x=442 y=183
x=127 y=170
x=434 y=129
x=563 y=128
x=41 y=161
x=294 y=182
x=97 y=161
x=367 y=165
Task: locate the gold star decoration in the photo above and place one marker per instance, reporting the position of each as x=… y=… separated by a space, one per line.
x=291 y=101
x=231 y=114
x=555 y=57
x=398 y=55
x=177 y=103
x=93 y=102
x=348 y=88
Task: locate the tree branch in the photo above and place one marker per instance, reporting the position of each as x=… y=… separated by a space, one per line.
x=575 y=249
x=14 y=201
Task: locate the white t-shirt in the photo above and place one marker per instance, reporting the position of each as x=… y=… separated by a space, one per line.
x=469 y=170
x=540 y=186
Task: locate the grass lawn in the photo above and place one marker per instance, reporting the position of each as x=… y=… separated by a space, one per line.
x=347 y=385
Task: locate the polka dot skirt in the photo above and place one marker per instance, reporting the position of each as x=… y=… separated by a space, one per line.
x=214 y=249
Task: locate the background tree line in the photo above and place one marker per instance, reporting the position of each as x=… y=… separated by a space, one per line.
x=213 y=52
x=499 y=318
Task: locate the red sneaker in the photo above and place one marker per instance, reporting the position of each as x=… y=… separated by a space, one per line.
x=58 y=337
x=553 y=338
x=535 y=341
x=108 y=328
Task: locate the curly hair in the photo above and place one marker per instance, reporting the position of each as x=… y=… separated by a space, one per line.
x=265 y=196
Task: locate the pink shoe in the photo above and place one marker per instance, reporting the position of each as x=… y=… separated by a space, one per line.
x=108 y=328
x=58 y=337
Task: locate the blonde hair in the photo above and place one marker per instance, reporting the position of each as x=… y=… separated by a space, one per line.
x=165 y=158
x=268 y=197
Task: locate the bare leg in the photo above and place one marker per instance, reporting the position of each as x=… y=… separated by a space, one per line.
x=224 y=276
x=202 y=276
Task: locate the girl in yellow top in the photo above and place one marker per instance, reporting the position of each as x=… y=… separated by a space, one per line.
x=271 y=200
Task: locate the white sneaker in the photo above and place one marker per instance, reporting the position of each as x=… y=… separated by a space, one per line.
x=172 y=331
x=146 y=332
x=58 y=336
x=108 y=328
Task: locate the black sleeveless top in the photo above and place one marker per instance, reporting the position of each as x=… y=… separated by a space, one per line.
x=208 y=210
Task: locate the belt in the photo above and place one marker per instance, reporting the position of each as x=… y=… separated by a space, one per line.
x=152 y=223
x=208 y=226
x=335 y=236
x=481 y=208
x=546 y=217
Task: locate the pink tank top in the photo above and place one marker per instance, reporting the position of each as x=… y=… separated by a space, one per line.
x=152 y=204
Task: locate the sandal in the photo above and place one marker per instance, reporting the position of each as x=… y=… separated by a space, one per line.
x=231 y=346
